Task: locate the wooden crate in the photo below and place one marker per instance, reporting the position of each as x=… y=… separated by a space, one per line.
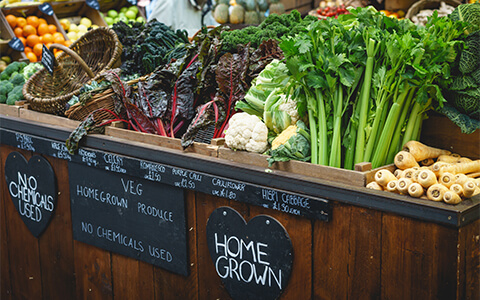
x=6 y=34
x=158 y=140
x=75 y=10
x=33 y=10
x=10 y=110
x=33 y=115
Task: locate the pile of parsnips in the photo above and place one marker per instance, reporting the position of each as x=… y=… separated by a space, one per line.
x=430 y=173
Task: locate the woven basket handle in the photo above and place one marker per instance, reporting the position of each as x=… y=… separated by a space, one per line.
x=75 y=56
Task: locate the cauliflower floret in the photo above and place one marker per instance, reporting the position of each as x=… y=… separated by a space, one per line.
x=246 y=132
x=289 y=106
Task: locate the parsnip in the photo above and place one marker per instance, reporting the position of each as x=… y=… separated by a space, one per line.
x=451 y=197
x=383 y=177
x=374 y=186
x=403 y=184
x=436 y=191
x=392 y=186
x=465 y=168
x=404 y=160
x=457 y=188
x=421 y=151
x=415 y=190
x=447 y=179
x=427 y=178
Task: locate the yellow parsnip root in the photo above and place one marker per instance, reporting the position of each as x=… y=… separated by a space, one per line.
x=448 y=159
x=427 y=178
x=451 y=197
x=383 y=177
x=392 y=186
x=427 y=162
x=404 y=160
x=465 y=168
x=473 y=175
x=415 y=190
x=439 y=165
x=436 y=191
x=464 y=160
x=398 y=173
x=408 y=173
x=403 y=184
x=421 y=151
x=374 y=186
x=461 y=179
x=457 y=188
x=447 y=179
x=470 y=188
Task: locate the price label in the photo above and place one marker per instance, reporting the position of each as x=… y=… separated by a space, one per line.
x=133 y=2
x=46 y=8
x=93 y=4
x=16 y=44
x=48 y=59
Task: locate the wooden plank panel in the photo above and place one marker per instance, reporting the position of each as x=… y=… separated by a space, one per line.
x=419 y=260
x=364 y=254
x=331 y=254
x=300 y=231
x=472 y=260
x=93 y=272
x=169 y=285
x=132 y=279
x=6 y=285
x=209 y=284
x=23 y=247
x=56 y=243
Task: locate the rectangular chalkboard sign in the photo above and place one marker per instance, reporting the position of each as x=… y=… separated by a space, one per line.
x=129 y=216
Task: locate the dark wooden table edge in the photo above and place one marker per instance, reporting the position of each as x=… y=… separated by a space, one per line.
x=450 y=215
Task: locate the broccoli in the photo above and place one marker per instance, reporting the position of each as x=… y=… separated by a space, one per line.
x=31 y=69
x=15 y=66
x=17 y=79
x=5 y=88
x=15 y=95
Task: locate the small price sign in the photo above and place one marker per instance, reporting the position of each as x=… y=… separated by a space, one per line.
x=46 y=8
x=133 y=2
x=48 y=59
x=93 y=4
x=16 y=44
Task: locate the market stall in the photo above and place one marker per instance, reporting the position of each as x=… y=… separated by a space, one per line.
x=165 y=168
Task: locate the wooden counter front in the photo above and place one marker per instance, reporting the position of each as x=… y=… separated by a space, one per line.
x=377 y=251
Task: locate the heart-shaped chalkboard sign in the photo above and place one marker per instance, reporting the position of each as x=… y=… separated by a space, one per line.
x=253 y=260
x=32 y=188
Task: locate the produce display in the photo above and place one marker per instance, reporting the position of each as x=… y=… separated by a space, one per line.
x=421 y=17
x=76 y=30
x=34 y=32
x=245 y=11
x=124 y=14
x=430 y=173
x=4 y=61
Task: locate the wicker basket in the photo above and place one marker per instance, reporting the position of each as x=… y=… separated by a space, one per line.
x=428 y=4
x=94 y=52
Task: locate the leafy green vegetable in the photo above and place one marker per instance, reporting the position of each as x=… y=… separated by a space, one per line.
x=294 y=145
x=469 y=13
x=467 y=125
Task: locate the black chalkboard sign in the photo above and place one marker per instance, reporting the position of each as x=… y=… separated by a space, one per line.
x=93 y=4
x=16 y=44
x=253 y=260
x=48 y=59
x=46 y=8
x=32 y=188
x=129 y=216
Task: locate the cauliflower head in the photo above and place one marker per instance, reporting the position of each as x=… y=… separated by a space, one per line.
x=246 y=132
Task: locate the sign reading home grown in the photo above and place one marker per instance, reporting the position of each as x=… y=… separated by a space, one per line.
x=129 y=216
x=32 y=188
x=253 y=260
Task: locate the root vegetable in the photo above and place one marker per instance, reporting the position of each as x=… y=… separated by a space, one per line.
x=408 y=173
x=465 y=168
x=451 y=197
x=448 y=159
x=436 y=167
x=470 y=189
x=457 y=188
x=421 y=151
x=392 y=186
x=447 y=179
x=473 y=175
x=415 y=190
x=427 y=162
x=374 y=186
x=403 y=184
x=464 y=160
x=383 y=177
x=427 y=178
x=436 y=191
x=404 y=160
x=398 y=173
x=461 y=179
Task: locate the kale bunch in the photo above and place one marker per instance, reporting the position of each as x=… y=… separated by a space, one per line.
x=148 y=46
